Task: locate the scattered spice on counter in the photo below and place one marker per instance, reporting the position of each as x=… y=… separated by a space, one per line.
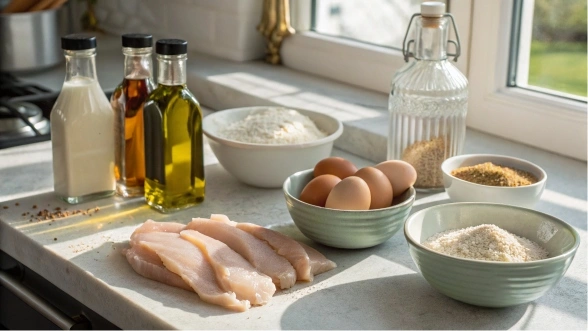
x=17 y=204
x=34 y=206
x=54 y=239
x=5 y=207
x=426 y=157
x=45 y=214
x=494 y=175
x=486 y=242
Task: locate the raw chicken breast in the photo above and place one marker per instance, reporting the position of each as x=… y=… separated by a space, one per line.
x=233 y=272
x=149 y=265
x=318 y=262
x=284 y=246
x=187 y=261
x=257 y=252
x=222 y=218
x=152 y=226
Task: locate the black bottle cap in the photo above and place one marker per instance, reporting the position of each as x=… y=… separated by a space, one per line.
x=171 y=47
x=78 y=42
x=137 y=40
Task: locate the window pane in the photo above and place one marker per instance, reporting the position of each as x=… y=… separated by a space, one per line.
x=381 y=22
x=553 y=51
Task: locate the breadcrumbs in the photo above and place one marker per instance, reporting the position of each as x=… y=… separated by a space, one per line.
x=486 y=242
x=494 y=175
x=426 y=157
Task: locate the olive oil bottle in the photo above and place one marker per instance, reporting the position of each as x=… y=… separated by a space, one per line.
x=174 y=157
x=127 y=102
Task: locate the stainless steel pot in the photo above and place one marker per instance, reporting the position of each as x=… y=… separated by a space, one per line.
x=29 y=41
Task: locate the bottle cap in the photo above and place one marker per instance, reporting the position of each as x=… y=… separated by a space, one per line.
x=137 y=40
x=432 y=9
x=171 y=47
x=78 y=42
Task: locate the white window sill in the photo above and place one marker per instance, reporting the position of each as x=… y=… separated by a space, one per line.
x=221 y=84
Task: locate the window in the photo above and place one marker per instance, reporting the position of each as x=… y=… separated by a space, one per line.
x=503 y=99
x=347 y=18
x=341 y=40
x=514 y=99
x=551 y=48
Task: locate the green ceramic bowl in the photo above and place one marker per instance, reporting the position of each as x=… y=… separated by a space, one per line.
x=486 y=283
x=344 y=228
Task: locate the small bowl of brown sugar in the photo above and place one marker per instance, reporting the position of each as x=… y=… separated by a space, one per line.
x=493 y=178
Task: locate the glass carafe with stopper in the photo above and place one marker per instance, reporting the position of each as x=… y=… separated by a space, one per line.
x=174 y=158
x=82 y=125
x=127 y=103
x=428 y=100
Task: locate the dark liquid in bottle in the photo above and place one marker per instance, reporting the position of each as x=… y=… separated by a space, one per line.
x=127 y=102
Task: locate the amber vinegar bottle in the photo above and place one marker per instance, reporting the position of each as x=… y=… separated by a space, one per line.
x=174 y=156
x=127 y=102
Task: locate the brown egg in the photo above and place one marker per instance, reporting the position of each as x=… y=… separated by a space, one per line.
x=380 y=187
x=401 y=174
x=352 y=193
x=318 y=189
x=337 y=166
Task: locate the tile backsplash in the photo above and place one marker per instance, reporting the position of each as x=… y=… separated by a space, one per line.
x=223 y=28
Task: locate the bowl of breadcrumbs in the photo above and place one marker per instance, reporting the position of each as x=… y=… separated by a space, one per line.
x=493 y=178
x=490 y=255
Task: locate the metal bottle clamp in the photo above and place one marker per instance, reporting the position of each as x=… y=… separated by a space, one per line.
x=406 y=46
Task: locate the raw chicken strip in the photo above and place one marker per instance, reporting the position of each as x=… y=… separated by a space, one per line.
x=149 y=265
x=257 y=252
x=152 y=226
x=318 y=262
x=187 y=261
x=233 y=272
x=306 y=260
x=284 y=246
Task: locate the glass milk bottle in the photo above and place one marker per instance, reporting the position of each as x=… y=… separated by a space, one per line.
x=428 y=100
x=174 y=157
x=127 y=103
x=82 y=125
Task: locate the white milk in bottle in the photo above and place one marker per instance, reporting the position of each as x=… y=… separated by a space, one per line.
x=82 y=126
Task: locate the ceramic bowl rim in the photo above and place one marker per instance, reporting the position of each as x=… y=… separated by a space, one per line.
x=490 y=187
x=562 y=256
x=407 y=201
x=239 y=144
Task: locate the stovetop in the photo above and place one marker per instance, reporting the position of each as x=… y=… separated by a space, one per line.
x=24 y=111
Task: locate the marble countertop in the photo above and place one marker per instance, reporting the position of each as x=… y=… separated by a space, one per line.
x=375 y=288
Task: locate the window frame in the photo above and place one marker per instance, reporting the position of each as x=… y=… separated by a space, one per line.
x=549 y=122
x=538 y=119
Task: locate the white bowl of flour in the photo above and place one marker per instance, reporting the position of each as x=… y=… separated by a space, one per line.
x=262 y=146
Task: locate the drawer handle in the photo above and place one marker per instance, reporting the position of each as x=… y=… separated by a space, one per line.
x=43 y=307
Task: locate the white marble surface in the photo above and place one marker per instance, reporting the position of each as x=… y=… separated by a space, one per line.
x=376 y=288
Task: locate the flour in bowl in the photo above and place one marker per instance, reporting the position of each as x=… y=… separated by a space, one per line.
x=486 y=242
x=274 y=126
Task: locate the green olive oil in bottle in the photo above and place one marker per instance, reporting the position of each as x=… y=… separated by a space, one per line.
x=174 y=157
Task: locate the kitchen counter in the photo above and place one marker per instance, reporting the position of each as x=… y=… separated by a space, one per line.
x=375 y=288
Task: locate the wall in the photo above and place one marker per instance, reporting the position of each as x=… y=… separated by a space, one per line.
x=223 y=28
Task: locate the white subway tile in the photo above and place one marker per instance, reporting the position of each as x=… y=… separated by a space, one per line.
x=193 y=23
x=109 y=5
x=239 y=34
x=155 y=13
x=234 y=6
x=129 y=7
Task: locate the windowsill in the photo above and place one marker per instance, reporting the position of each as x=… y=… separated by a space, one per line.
x=221 y=84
